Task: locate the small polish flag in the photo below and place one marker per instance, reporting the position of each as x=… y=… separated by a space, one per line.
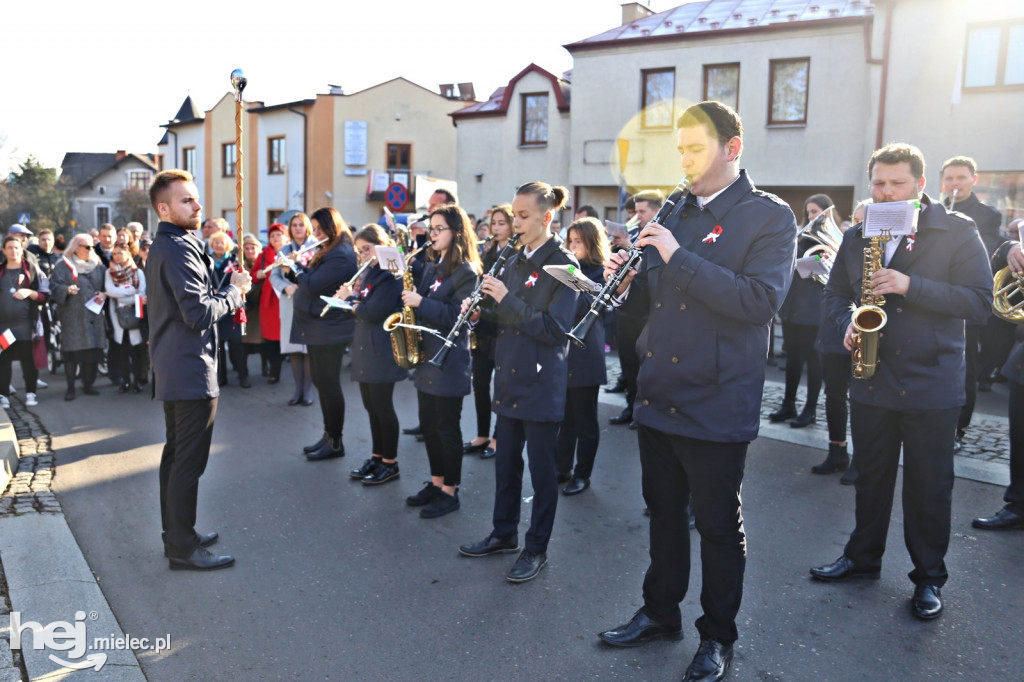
x=139 y=309
x=72 y=268
x=6 y=339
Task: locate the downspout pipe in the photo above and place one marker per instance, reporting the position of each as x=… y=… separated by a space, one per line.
x=305 y=157
x=884 y=62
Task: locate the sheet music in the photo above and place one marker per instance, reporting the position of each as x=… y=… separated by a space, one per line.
x=573 y=277
x=390 y=259
x=892 y=219
x=811 y=265
x=339 y=303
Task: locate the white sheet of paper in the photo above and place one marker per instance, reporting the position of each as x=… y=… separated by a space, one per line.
x=572 y=277
x=390 y=258
x=94 y=306
x=337 y=303
x=893 y=218
x=805 y=267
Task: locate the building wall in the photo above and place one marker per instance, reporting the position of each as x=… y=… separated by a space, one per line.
x=825 y=151
x=490 y=146
x=282 y=191
x=87 y=199
x=397 y=111
x=218 y=190
x=189 y=135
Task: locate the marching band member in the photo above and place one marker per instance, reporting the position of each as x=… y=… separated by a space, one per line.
x=579 y=433
x=445 y=282
x=325 y=338
x=533 y=311
x=486 y=332
x=378 y=294
x=716 y=275
x=932 y=281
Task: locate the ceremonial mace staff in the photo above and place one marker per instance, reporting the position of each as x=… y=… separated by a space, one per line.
x=238 y=83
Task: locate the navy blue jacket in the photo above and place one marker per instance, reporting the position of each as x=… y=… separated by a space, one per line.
x=530 y=368
x=704 y=349
x=586 y=365
x=442 y=300
x=323 y=278
x=803 y=301
x=986 y=219
x=921 y=349
x=183 y=309
x=373 y=361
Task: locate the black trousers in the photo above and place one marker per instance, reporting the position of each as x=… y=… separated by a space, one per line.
x=127 y=358
x=1014 y=496
x=836 y=372
x=380 y=407
x=483 y=368
x=441 y=422
x=271 y=350
x=579 y=433
x=189 y=434
x=627 y=332
x=996 y=343
x=972 y=336
x=539 y=438
x=676 y=469
x=926 y=437
x=325 y=366
x=21 y=351
x=235 y=351
x=800 y=351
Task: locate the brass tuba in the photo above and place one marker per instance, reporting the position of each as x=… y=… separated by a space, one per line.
x=869 y=318
x=1008 y=295
x=405 y=342
x=825 y=231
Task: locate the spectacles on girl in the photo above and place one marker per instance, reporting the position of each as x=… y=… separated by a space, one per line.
x=438 y=230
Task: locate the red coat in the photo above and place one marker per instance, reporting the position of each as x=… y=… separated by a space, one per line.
x=270 y=313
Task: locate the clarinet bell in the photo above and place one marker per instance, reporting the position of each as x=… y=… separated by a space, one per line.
x=442 y=355
x=580 y=331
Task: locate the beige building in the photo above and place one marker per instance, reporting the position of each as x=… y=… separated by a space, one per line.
x=334 y=150
x=108 y=188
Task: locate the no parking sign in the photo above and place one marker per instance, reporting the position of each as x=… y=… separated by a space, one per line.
x=396 y=196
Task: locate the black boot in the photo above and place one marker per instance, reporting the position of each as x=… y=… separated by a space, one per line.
x=70 y=370
x=806 y=418
x=837 y=460
x=849 y=476
x=315 y=446
x=331 y=448
x=786 y=411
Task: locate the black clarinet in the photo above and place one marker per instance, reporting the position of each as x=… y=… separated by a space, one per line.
x=603 y=298
x=474 y=302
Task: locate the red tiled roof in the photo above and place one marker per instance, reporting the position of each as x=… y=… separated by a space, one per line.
x=707 y=16
x=497 y=104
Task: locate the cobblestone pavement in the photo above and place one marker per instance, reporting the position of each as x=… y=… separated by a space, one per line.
x=28 y=493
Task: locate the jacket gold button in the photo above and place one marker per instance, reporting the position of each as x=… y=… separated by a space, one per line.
x=671 y=410
x=650 y=354
x=517 y=332
x=682 y=306
x=513 y=370
x=675 y=361
x=515 y=405
x=899 y=310
x=645 y=403
x=497 y=402
x=497 y=367
x=658 y=304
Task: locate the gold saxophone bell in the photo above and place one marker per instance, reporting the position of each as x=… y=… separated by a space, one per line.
x=868 y=321
x=391 y=324
x=1008 y=295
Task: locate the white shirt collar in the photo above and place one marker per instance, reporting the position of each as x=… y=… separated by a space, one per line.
x=704 y=201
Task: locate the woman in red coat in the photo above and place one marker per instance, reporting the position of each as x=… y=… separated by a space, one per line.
x=270 y=314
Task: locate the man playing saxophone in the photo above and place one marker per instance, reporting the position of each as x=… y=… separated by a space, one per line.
x=932 y=281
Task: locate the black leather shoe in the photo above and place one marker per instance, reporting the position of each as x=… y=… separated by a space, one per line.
x=711 y=663
x=442 y=504
x=382 y=474
x=927 y=602
x=843 y=569
x=423 y=497
x=70 y=395
x=205 y=540
x=1004 y=519
x=366 y=469
x=201 y=560
x=317 y=445
x=244 y=382
x=633 y=426
x=294 y=401
x=625 y=417
x=527 y=566
x=785 y=411
x=576 y=485
x=804 y=420
x=331 y=449
x=469 y=448
x=89 y=390
x=490 y=545
x=414 y=431
x=488 y=453
x=836 y=460
x=307 y=403
x=638 y=631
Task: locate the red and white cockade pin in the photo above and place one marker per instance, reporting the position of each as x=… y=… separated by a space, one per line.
x=436 y=284
x=910 y=242
x=365 y=291
x=713 y=235
x=531 y=281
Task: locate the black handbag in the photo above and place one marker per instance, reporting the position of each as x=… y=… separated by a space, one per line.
x=126 y=317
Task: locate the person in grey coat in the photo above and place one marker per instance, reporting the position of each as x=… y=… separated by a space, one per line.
x=77 y=280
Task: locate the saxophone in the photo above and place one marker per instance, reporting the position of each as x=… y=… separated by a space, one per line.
x=405 y=342
x=869 y=318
